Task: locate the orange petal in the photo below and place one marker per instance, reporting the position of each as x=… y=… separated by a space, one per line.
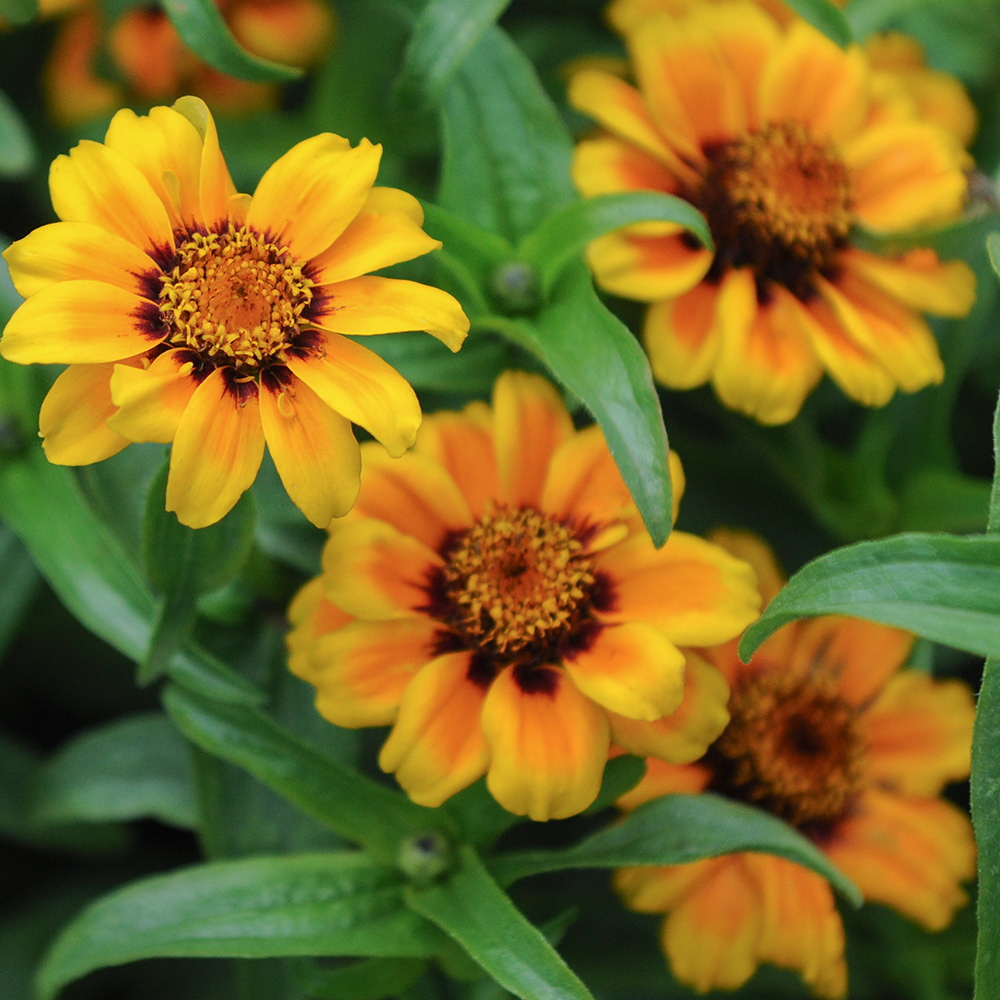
x=308 y=197
x=630 y=669
x=385 y=232
x=919 y=733
x=608 y=165
x=359 y=385
x=68 y=251
x=647 y=268
x=436 y=748
x=215 y=186
x=80 y=322
x=374 y=571
x=695 y=592
x=683 y=735
x=753 y=549
x=657 y=889
x=313 y=448
x=530 y=422
x=217 y=451
x=681 y=336
x=361 y=669
x=97 y=184
x=548 y=745
x=311 y=615
x=72 y=420
x=370 y=305
x=907 y=853
x=152 y=400
x=664 y=778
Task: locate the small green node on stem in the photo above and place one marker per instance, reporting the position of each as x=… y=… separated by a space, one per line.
x=426 y=857
x=515 y=288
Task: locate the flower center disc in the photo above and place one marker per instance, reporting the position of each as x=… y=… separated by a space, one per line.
x=515 y=579
x=792 y=747
x=234 y=297
x=778 y=201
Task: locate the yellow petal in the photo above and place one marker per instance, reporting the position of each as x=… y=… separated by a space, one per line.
x=647 y=268
x=68 y=251
x=682 y=337
x=366 y=390
x=313 y=448
x=80 y=322
x=72 y=420
x=152 y=400
x=215 y=186
x=548 y=744
x=217 y=450
x=608 y=165
x=97 y=184
x=308 y=197
x=436 y=747
x=370 y=305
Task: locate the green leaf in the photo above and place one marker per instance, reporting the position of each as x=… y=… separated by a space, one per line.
x=470 y=907
x=564 y=235
x=367 y=979
x=19 y=11
x=937 y=499
x=308 y=904
x=621 y=775
x=676 y=829
x=941 y=587
x=20 y=583
x=826 y=17
x=506 y=150
x=133 y=768
x=445 y=33
x=596 y=357
x=204 y=32
x=347 y=802
x=17 y=147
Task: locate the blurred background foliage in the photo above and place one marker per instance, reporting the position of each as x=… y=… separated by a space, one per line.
x=97 y=788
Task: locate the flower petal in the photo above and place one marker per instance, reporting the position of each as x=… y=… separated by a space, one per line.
x=385 y=232
x=68 y=251
x=313 y=448
x=359 y=385
x=374 y=571
x=152 y=400
x=311 y=615
x=370 y=305
x=548 y=747
x=72 y=420
x=682 y=337
x=80 y=322
x=97 y=184
x=215 y=186
x=308 y=197
x=607 y=165
x=647 y=268
x=436 y=748
x=217 y=450
x=361 y=669
x=632 y=670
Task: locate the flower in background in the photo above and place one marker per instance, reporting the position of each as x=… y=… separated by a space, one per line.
x=495 y=598
x=830 y=734
x=786 y=143
x=153 y=65
x=193 y=314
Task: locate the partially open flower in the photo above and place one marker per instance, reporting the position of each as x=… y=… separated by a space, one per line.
x=495 y=598
x=193 y=314
x=830 y=734
x=786 y=143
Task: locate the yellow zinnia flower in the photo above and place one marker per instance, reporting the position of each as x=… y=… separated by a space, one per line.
x=495 y=598
x=785 y=142
x=193 y=314
x=828 y=733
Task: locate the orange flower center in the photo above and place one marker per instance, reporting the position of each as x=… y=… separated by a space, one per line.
x=778 y=201
x=792 y=746
x=235 y=298
x=516 y=579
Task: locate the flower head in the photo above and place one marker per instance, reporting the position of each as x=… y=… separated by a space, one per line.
x=193 y=314
x=828 y=733
x=786 y=143
x=495 y=598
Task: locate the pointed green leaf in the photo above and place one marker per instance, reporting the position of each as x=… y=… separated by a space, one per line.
x=309 y=904
x=827 y=17
x=676 y=829
x=470 y=907
x=204 y=32
x=18 y=11
x=17 y=147
x=367 y=979
x=941 y=587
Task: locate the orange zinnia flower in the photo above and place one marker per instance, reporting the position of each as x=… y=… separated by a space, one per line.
x=785 y=142
x=495 y=598
x=828 y=733
x=193 y=314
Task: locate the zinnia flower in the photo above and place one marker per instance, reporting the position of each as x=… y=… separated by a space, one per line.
x=785 y=142
x=192 y=314
x=828 y=733
x=495 y=598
